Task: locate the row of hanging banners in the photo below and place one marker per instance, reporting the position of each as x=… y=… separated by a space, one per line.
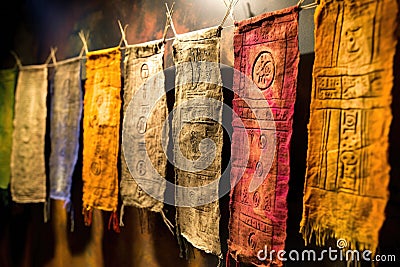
x=347 y=176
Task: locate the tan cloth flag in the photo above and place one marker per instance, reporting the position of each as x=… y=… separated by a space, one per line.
x=199 y=225
x=28 y=176
x=101 y=122
x=347 y=177
x=144 y=135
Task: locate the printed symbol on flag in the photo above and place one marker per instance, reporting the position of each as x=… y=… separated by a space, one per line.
x=144 y=71
x=95 y=168
x=141 y=167
x=251 y=240
x=264 y=70
x=141 y=125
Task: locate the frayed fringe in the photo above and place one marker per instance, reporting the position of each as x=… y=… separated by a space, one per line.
x=46 y=210
x=72 y=218
x=182 y=243
x=121 y=216
x=70 y=209
x=87 y=216
x=227 y=262
x=219 y=262
x=114 y=221
x=311 y=229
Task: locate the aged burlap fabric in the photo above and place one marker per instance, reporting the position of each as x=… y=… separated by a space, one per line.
x=65 y=117
x=28 y=176
x=142 y=63
x=7 y=87
x=347 y=177
x=101 y=120
x=199 y=225
x=266 y=50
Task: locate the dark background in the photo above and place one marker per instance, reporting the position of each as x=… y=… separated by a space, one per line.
x=31 y=27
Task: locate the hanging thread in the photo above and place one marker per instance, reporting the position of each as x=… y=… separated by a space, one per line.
x=114 y=221
x=121 y=215
x=227 y=261
x=87 y=216
x=167 y=222
x=70 y=209
x=46 y=210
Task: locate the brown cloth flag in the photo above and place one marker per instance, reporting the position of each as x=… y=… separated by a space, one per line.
x=266 y=49
x=347 y=176
x=200 y=82
x=28 y=175
x=144 y=135
x=101 y=121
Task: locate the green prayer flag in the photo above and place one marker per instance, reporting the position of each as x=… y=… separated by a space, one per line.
x=7 y=86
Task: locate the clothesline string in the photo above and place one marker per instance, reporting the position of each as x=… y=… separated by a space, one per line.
x=50 y=65
x=80 y=57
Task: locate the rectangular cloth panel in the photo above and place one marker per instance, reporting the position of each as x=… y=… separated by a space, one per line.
x=144 y=81
x=347 y=176
x=266 y=51
x=28 y=175
x=66 y=109
x=102 y=104
x=198 y=163
x=7 y=87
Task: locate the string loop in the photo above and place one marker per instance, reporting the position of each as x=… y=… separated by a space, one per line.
x=84 y=40
x=123 y=33
x=17 y=60
x=169 y=15
x=229 y=10
x=168 y=22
